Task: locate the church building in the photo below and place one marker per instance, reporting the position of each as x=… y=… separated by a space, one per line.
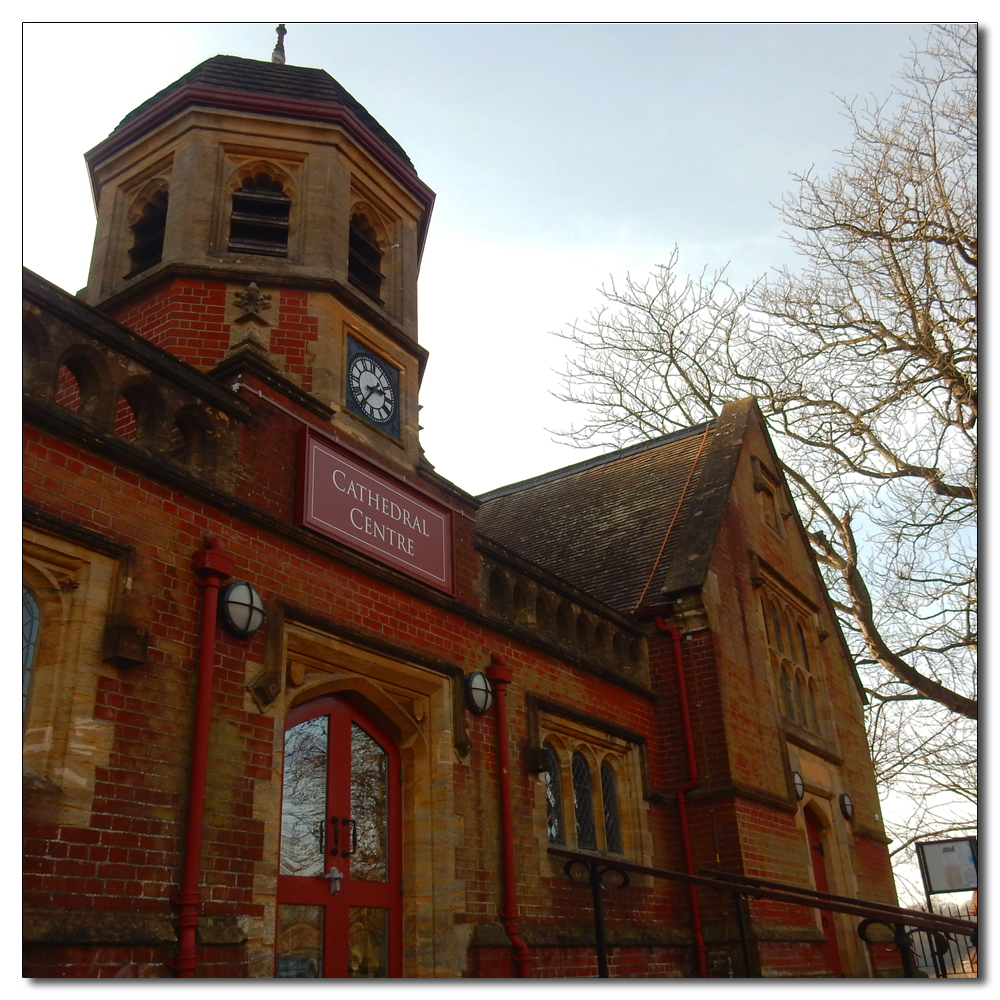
x=295 y=705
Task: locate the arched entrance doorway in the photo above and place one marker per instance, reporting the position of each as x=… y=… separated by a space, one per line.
x=339 y=904
x=818 y=856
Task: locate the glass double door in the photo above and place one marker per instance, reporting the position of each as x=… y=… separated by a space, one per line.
x=339 y=890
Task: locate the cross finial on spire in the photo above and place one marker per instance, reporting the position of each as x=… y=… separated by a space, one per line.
x=278 y=55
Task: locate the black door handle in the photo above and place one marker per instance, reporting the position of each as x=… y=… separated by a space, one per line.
x=354 y=838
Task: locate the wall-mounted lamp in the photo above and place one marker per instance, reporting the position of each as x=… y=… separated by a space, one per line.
x=241 y=609
x=478 y=692
x=800 y=785
x=846 y=806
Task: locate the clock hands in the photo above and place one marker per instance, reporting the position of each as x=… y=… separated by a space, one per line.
x=377 y=387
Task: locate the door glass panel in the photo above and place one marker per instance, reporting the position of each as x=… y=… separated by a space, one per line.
x=369 y=811
x=303 y=803
x=368 y=942
x=300 y=942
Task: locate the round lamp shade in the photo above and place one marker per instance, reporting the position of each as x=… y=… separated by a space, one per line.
x=241 y=609
x=478 y=692
x=800 y=785
x=847 y=806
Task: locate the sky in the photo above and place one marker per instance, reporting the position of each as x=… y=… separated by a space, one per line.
x=563 y=155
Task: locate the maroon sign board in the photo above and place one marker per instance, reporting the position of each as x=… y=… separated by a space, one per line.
x=346 y=499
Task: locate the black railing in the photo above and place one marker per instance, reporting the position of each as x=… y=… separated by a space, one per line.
x=903 y=924
x=947 y=956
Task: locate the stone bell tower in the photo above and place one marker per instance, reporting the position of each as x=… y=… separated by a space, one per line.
x=254 y=216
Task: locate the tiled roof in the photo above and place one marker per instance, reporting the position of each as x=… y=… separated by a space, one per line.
x=600 y=524
x=252 y=76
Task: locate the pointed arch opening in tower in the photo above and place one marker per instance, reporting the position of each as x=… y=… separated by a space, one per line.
x=259 y=221
x=364 y=260
x=147 y=234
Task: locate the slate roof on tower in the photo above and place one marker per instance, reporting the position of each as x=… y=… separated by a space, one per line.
x=600 y=524
x=301 y=88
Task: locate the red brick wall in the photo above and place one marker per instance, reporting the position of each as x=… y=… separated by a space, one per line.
x=186 y=316
x=129 y=857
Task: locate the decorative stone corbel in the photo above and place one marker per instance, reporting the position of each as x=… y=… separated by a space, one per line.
x=250 y=329
x=266 y=686
x=253 y=302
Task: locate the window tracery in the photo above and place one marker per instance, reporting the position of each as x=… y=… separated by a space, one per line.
x=597 y=813
x=768 y=490
x=798 y=689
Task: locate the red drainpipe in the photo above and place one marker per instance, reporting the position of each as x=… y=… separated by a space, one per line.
x=500 y=675
x=689 y=785
x=213 y=565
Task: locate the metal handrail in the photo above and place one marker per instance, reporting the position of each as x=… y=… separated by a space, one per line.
x=941 y=921
x=896 y=918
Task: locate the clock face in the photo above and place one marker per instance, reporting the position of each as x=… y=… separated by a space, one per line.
x=373 y=388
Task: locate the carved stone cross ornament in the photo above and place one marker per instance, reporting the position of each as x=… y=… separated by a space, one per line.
x=253 y=302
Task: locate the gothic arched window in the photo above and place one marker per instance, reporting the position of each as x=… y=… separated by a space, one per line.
x=612 y=818
x=364 y=258
x=583 y=803
x=553 y=797
x=30 y=618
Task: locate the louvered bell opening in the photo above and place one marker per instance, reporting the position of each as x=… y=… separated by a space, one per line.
x=147 y=244
x=364 y=261
x=259 y=223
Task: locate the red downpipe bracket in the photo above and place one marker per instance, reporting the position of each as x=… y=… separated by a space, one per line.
x=500 y=675
x=212 y=564
x=682 y=793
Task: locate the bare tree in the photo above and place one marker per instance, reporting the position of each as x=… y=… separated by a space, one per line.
x=864 y=362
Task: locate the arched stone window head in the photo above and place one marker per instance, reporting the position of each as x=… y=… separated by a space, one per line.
x=364 y=259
